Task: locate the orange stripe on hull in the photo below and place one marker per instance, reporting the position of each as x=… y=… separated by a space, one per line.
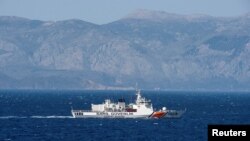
x=158 y=114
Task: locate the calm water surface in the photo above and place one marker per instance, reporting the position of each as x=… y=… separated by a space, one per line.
x=45 y=116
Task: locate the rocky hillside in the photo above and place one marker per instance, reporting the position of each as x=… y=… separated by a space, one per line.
x=152 y=48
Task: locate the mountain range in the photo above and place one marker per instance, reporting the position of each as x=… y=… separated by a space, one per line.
x=156 y=49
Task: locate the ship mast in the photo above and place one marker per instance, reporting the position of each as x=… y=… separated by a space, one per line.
x=138 y=94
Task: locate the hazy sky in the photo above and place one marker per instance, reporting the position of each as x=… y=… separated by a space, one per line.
x=104 y=11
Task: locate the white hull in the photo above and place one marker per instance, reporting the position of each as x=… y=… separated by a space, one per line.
x=91 y=114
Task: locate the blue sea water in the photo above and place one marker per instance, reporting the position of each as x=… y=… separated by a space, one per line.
x=45 y=116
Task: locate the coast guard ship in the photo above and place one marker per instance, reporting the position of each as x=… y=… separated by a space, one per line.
x=142 y=108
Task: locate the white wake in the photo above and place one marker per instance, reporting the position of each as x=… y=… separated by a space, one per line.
x=41 y=117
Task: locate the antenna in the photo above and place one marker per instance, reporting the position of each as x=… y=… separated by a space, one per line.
x=136 y=89
x=136 y=86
